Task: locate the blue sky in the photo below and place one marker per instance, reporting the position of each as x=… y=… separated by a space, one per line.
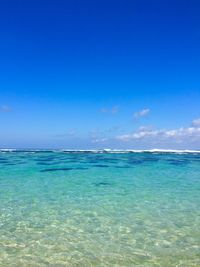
x=95 y=74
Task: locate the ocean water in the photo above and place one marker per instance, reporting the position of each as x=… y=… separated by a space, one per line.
x=90 y=209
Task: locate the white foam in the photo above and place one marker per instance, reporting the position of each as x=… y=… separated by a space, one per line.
x=112 y=151
x=7 y=149
x=109 y=151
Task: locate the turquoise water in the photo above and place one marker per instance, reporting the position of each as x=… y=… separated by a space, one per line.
x=86 y=209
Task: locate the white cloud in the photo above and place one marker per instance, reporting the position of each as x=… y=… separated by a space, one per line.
x=196 y=123
x=138 y=135
x=145 y=128
x=142 y=113
x=187 y=134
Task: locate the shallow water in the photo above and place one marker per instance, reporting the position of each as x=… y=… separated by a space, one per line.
x=85 y=209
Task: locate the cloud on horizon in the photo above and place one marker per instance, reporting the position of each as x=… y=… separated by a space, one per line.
x=196 y=123
x=179 y=135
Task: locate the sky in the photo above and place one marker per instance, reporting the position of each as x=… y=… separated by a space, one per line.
x=100 y=74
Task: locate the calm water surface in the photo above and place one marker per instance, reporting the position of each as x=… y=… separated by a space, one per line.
x=84 y=209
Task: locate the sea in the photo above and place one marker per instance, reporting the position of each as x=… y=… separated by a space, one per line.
x=99 y=208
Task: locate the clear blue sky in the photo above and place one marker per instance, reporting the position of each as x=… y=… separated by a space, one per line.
x=93 y=74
